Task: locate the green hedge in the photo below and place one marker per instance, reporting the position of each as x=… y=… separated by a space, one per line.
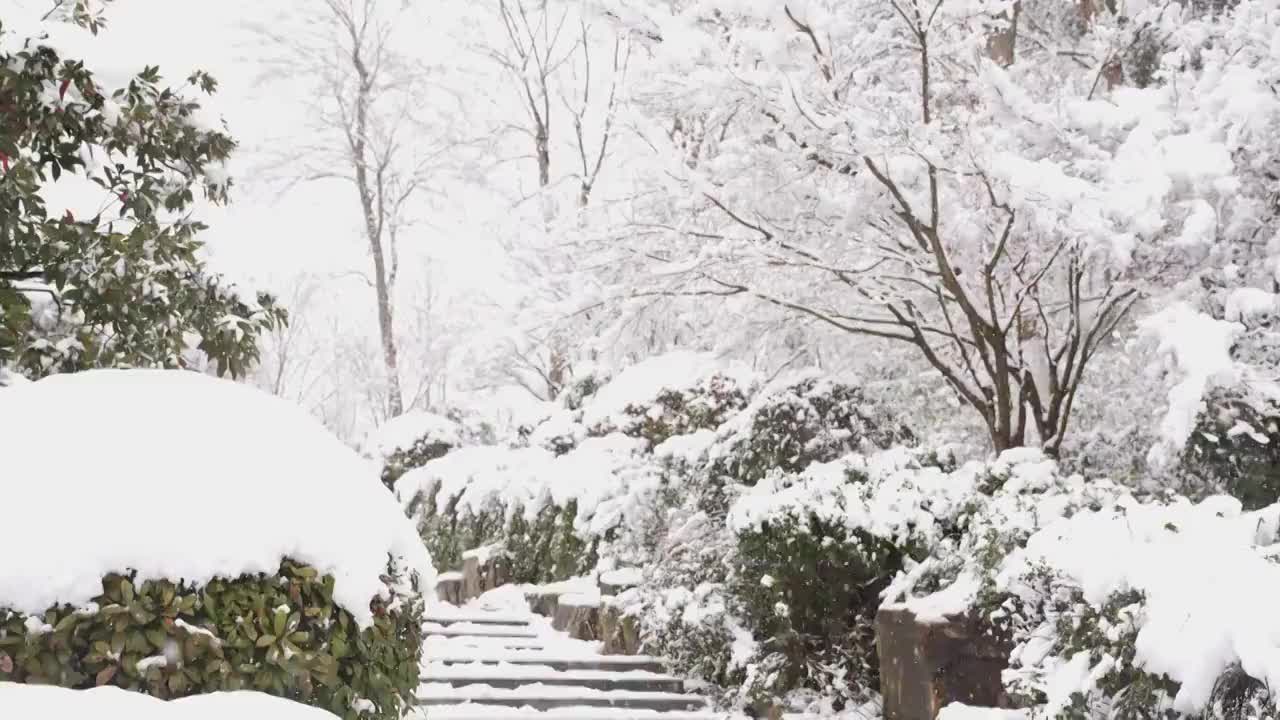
x=809 y=590
x=280 y=634
x=542 y=549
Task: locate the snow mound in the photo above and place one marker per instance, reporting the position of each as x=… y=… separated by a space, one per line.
x=400 y=433
x=45 y=702
x=182 y=476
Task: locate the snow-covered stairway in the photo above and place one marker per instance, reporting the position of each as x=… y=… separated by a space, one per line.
x=486 y=662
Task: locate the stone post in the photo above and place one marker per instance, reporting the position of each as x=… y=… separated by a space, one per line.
x=926 y=665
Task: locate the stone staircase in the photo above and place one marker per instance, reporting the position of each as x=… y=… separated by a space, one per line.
x=485 y=662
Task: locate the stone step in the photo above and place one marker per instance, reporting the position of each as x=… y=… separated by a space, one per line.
x=510 y=676
x=674 y=685
x=466 y=629
x=546 y=697
x=481 y=711
x=494 y=621
x=443 y=644
x=613 y=663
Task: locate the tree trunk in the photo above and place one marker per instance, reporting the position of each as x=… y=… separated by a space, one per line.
x=1002 y=43
x=374 y=221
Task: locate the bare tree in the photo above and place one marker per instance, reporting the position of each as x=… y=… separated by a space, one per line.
x=546 y=53
x=368 y=130
x=945 y=258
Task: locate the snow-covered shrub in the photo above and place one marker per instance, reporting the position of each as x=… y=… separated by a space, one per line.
x=280 y=633
x=815 y=550
x=544 y=547
x=683 y=607
x=771 y=590
x=418 y=437
x=1235 y=449
x=550 y=511
x=559 y=432
x=792 y=424
x=202 y=536
x=585 y=384
x=668 y=395
x=1115 y=606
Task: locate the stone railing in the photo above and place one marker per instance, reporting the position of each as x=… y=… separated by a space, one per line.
x=582 y=615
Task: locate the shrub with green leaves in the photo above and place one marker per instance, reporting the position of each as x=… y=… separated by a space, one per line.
x=790 y=426
x=435 y=435
x=1234 y=449
x=281 y=634
x=809 y=590
x=680 y=411
x=540 y=548
x=126 y=286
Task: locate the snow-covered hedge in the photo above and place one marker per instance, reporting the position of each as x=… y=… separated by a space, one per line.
x=771 y=590
x=800 y=420
x=183 y=535
x=667 y=395
x=33 y=702
x=549 y=510
x=1116 y=606
x=418 y=437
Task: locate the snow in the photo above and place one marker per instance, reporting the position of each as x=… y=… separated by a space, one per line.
x=942 y=606
x=480 y=711
x=45 y=702
x=1199 y=348
x=478 y=670
x=898 y=499
x=1205 y=575
x=1243 y=304
x=151 y=470
x=532 y=692
x=622 y=577
x=402 y=432
x=598 y=470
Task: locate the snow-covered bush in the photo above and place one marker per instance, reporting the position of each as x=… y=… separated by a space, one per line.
x=417 y=437
x=770 y=591
x=141 y=571
x=1115 y=606
x=585 y=477
x=792 y=424
x=668 y=395
x=548 y=510
x=1234 y=449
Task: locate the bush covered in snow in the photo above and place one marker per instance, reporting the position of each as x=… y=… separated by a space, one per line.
x=1234 y=449
x=147 y=576
x=673 y=394
x=418 y=437
x=771 y=591
x=1115 y=606
x=582 y=475
x=800 y=421
x=280 y=633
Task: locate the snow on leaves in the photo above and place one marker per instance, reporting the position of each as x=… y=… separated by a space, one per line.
x=123 y=285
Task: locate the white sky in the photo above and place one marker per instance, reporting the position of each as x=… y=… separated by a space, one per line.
x=263 y=239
